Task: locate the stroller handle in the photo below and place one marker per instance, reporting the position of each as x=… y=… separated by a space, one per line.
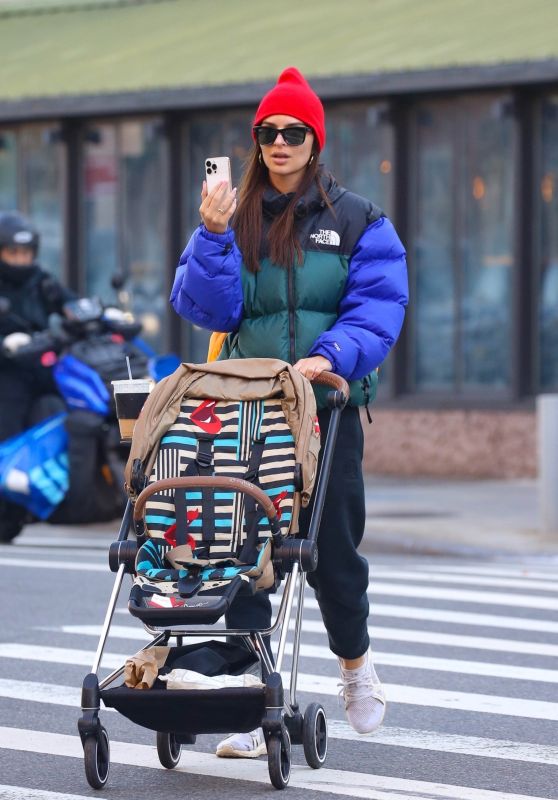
x=334 y=382
x=216 y=482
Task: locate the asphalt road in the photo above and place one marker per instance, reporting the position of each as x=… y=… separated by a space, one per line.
x=467 y=651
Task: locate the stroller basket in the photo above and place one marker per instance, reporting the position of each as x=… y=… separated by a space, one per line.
x=190 y=711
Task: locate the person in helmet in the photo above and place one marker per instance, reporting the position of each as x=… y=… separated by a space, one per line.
x=28 y=296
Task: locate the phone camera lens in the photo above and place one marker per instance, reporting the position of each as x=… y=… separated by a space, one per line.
x=208 y=163
x=208 y=170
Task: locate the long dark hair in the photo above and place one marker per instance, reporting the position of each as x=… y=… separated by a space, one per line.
x=284 y=247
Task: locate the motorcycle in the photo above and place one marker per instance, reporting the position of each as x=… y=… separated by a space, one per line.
x=69 y=468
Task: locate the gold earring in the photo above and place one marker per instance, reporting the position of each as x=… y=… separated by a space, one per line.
x=260 y=159
x=311 y=159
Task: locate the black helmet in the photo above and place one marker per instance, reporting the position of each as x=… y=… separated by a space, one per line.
x=15 y=229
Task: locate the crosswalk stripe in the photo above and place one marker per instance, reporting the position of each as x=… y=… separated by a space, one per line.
x=400 y=737
x=39 y=692
x=47 y=563
x=472 y=580
x=378 y=587
x=448 y=743
x=425 y=614
x=479 y=569
x=63 y=655
x=343 y=782
x=375 y=632
x=25 y=793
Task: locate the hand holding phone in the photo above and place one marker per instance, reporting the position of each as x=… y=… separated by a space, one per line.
x=218 y=196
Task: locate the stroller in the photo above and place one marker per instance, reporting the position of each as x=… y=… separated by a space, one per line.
x=222 y=458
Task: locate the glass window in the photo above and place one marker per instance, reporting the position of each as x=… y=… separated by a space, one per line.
x=220 y=134
x=100 y=193
x=42 y=190
x=548 y=244
x=434 y=289
x=359 y=151
x=125 y=215
x=487 y=243
x=463 y=244
x=8 y=170
x=144 y=209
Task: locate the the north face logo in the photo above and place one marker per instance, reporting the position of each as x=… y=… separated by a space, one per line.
x=326 y=237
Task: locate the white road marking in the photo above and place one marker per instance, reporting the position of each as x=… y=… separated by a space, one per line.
x=378 y=587
x=398 y=737
x=477 y=569
x=323 y=685
x=452 y=595
x=24 y=793
x=448 y=743
x=375 y=632
x=62 y=655
x=516 y=623
x=46 y=564
x=342 y=782
x=424 y=614
x=476 y=580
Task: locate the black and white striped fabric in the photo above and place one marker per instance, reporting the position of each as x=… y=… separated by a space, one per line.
x=230 y=431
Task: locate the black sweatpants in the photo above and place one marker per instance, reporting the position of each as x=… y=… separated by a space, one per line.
x=341 y=580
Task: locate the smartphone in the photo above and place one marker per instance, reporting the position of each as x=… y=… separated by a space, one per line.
x=217 y=169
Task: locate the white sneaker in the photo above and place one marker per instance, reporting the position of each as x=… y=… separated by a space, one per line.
x=242 y=745
x=365 y=701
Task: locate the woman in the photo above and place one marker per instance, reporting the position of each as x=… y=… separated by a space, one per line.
x=298 y=268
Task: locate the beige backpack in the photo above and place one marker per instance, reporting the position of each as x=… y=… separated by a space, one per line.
x=225 y=407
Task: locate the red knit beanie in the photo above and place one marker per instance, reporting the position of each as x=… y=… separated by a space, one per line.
x=292 y=95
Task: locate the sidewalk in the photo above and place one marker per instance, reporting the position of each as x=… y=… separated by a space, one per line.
x=484 y=518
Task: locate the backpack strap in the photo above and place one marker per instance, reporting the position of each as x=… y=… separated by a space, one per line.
x=202 y=465
x=253 y=513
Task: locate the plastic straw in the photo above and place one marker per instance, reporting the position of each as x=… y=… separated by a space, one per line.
x=129 y=368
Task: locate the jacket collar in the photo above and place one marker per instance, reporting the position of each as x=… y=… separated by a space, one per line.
x=274 y=203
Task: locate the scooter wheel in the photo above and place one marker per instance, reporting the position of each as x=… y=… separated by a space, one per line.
x=168 y=749
x=279 y=759
x=96 y=752
x=314 y=735
x=9 y=529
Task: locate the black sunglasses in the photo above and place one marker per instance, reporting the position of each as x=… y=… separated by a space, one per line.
x=294 y=135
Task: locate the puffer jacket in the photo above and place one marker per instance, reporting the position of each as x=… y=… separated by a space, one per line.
x=346 y=301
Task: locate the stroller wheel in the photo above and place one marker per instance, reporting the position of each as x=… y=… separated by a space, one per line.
x=314 y=736
x=279 y=759
x=96 y=753
x=168 y=749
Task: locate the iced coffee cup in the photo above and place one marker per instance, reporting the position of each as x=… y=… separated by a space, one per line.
x=129 y=396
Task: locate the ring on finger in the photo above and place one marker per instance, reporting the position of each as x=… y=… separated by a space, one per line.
x=221 y=210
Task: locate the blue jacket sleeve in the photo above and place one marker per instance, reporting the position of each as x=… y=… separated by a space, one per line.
x=372 y=309
x=207 y=286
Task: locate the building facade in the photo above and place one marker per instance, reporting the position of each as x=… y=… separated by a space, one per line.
x=465 y=162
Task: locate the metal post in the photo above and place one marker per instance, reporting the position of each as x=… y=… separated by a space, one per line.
x=547 y=440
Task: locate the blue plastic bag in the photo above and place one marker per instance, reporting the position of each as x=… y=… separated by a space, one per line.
x=34 y=470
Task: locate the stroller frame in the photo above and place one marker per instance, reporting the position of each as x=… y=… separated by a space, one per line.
x=282 y=721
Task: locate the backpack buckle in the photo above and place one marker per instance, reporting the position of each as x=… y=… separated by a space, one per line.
x=204 y=460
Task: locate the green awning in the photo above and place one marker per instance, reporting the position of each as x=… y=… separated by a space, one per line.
x=51 y=48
